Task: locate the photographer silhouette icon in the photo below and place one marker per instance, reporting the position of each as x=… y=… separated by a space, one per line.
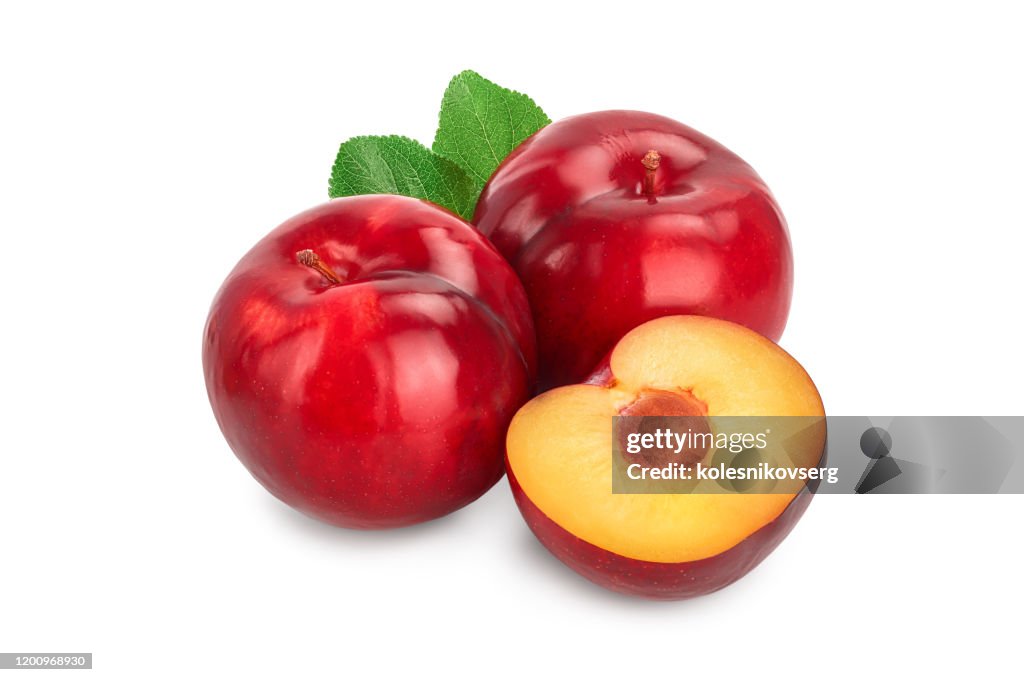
x=923 y=460
x=876 y=443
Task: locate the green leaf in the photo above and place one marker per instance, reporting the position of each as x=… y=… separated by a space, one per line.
x=481 y=123
x=376 y=164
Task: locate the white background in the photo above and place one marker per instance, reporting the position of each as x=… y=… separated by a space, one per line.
x=144 y=150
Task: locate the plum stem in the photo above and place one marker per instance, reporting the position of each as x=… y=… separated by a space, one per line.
x=309 y=258
x=651 y=161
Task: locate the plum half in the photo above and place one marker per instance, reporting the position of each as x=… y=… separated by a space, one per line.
x=660 y=546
